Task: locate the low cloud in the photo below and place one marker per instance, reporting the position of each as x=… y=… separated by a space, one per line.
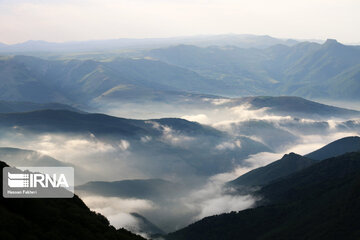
x=111 y=205
x=124 y=145
x=149 y=156
x=118 y=210
x=171 y=213
x=229 y=145
x=200 y=118
x=171 y=136
x=211 y=199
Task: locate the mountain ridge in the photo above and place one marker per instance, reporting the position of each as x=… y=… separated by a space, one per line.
x=318 y=202
x=67 y=218
x=292 y=163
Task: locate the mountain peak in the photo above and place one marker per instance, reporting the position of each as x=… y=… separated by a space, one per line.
x=291 y=155
x=331 y=42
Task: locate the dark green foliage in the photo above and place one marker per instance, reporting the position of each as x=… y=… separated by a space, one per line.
x=319 y=202
x=64 y=219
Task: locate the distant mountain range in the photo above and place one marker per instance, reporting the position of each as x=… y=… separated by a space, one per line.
x=77 y=82
x=249 y=90
x=240 y=40
x=312 y=70
x=294 y=106
x=306 y=69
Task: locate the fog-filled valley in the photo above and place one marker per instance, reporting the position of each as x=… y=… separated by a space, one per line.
x=166 y=134
x=171 y=170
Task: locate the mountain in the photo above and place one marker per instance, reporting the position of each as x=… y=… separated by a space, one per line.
x=318 y=202
x=287 y=165
x=231 y=66
x=67 y=121
x=63 y=218
x=33 y=79
x=318 y=71
x=147 y=227
x=306 y=69
x=336 y=148
x=21 y=157
x=241 y=40
x=18 y=157
x=295 y=106
x=168 y=141
x=137 y=94
x=315 y=180
x=291 y=163
x=11 y=107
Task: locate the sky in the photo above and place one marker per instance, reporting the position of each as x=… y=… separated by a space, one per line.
x=77 y=20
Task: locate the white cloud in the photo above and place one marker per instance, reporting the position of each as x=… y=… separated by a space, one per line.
x=210 y=199
x=118 y=210
x=112 y=205
x=229 y=145
x=171 y=136
x=124 y=145
x=200 y=118
x=224 y=204
x=145 y=139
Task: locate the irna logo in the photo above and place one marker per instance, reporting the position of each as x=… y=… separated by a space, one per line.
x=38 y=182
x=20 y=180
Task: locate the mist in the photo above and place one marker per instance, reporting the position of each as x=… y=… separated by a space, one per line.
x=199 y=159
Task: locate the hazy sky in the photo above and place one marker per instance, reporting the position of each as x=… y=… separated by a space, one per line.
x=66 y=20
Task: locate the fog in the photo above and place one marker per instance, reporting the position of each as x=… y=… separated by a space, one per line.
x=171 y=213
x=201 y=159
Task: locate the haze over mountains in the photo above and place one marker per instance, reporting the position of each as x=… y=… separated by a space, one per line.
x=306 y=69
x=248 y=183
x=240 y=40
x=312 y=70
x=165 y=132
